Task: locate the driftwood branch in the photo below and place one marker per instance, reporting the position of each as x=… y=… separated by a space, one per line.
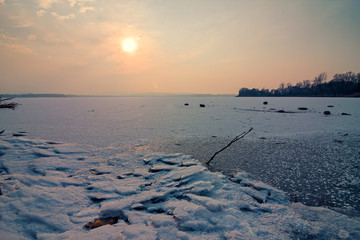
x=232 y=141
x=4 y=104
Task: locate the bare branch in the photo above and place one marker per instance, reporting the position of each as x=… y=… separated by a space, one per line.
x=11 y=105
x=232 y=141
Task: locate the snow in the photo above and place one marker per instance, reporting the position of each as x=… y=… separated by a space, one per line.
x=51 y=191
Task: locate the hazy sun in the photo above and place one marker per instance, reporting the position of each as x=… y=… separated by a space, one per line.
x=129 y=45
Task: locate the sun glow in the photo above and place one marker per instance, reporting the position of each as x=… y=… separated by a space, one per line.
x=129 y=45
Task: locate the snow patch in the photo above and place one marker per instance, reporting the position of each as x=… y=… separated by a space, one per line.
x=135 y=194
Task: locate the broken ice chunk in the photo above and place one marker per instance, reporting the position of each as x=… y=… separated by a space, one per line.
x=211 y=204
x=160 y=220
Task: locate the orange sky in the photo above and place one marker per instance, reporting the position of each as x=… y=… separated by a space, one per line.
x=203 y=46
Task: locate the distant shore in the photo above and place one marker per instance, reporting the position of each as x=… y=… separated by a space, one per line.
x=330 y=96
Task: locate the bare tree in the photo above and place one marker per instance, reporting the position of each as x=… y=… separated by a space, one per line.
x=282 y=88
x=350 y=77
x=306 y=83
x=321 y=78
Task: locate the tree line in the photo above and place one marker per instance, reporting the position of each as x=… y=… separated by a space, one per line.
x=341 y=85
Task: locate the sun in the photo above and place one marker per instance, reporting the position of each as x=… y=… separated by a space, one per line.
x=129 y=45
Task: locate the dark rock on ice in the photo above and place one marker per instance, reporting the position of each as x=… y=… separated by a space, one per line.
x=202 y=105
x=97 y=200
x=345 y=114
x=52 y=143
x=18 y=135
x=302 y=108
x=327 y=112
x=265 y=103
x=186 y=104
x=330 y=105
x=101 y=222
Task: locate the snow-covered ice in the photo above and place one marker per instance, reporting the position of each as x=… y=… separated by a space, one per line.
x=54 y=190
x=77 y=168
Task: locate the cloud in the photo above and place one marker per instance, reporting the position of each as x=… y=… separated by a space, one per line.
x=8 y=38
x=85 y=9
x=78 y=2
x=47 y=3
x=63 y=17
x=40 y=13
x=20 y=22
x=17 y=47
x=72 y=2
x=12 y=43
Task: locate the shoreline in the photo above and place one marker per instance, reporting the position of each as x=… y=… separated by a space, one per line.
x=318 y=170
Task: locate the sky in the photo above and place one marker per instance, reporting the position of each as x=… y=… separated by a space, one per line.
x=187 y=46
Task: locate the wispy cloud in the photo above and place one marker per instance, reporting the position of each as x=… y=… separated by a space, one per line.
x=79 y=2
x=40 y=13
x=85 y=9
x=8 y=38
x=12 y=43
x=63 y=17
x=17 y=47
x=47 y=3
x=72 y=2
x=21 y=22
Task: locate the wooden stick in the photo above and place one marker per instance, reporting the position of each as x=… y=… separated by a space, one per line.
x=232 y=141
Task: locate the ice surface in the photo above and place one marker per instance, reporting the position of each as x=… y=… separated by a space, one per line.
x=116 y=121
x=53 y=195
x=50 y=189
x=315 y=169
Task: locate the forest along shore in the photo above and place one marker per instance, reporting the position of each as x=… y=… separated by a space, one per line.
x=318 y=170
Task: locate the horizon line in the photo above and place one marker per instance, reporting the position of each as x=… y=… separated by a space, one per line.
x=150 y=94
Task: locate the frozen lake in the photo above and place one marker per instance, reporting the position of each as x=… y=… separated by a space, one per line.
x=311 y=156
x=105 y=121
x=91 y=168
